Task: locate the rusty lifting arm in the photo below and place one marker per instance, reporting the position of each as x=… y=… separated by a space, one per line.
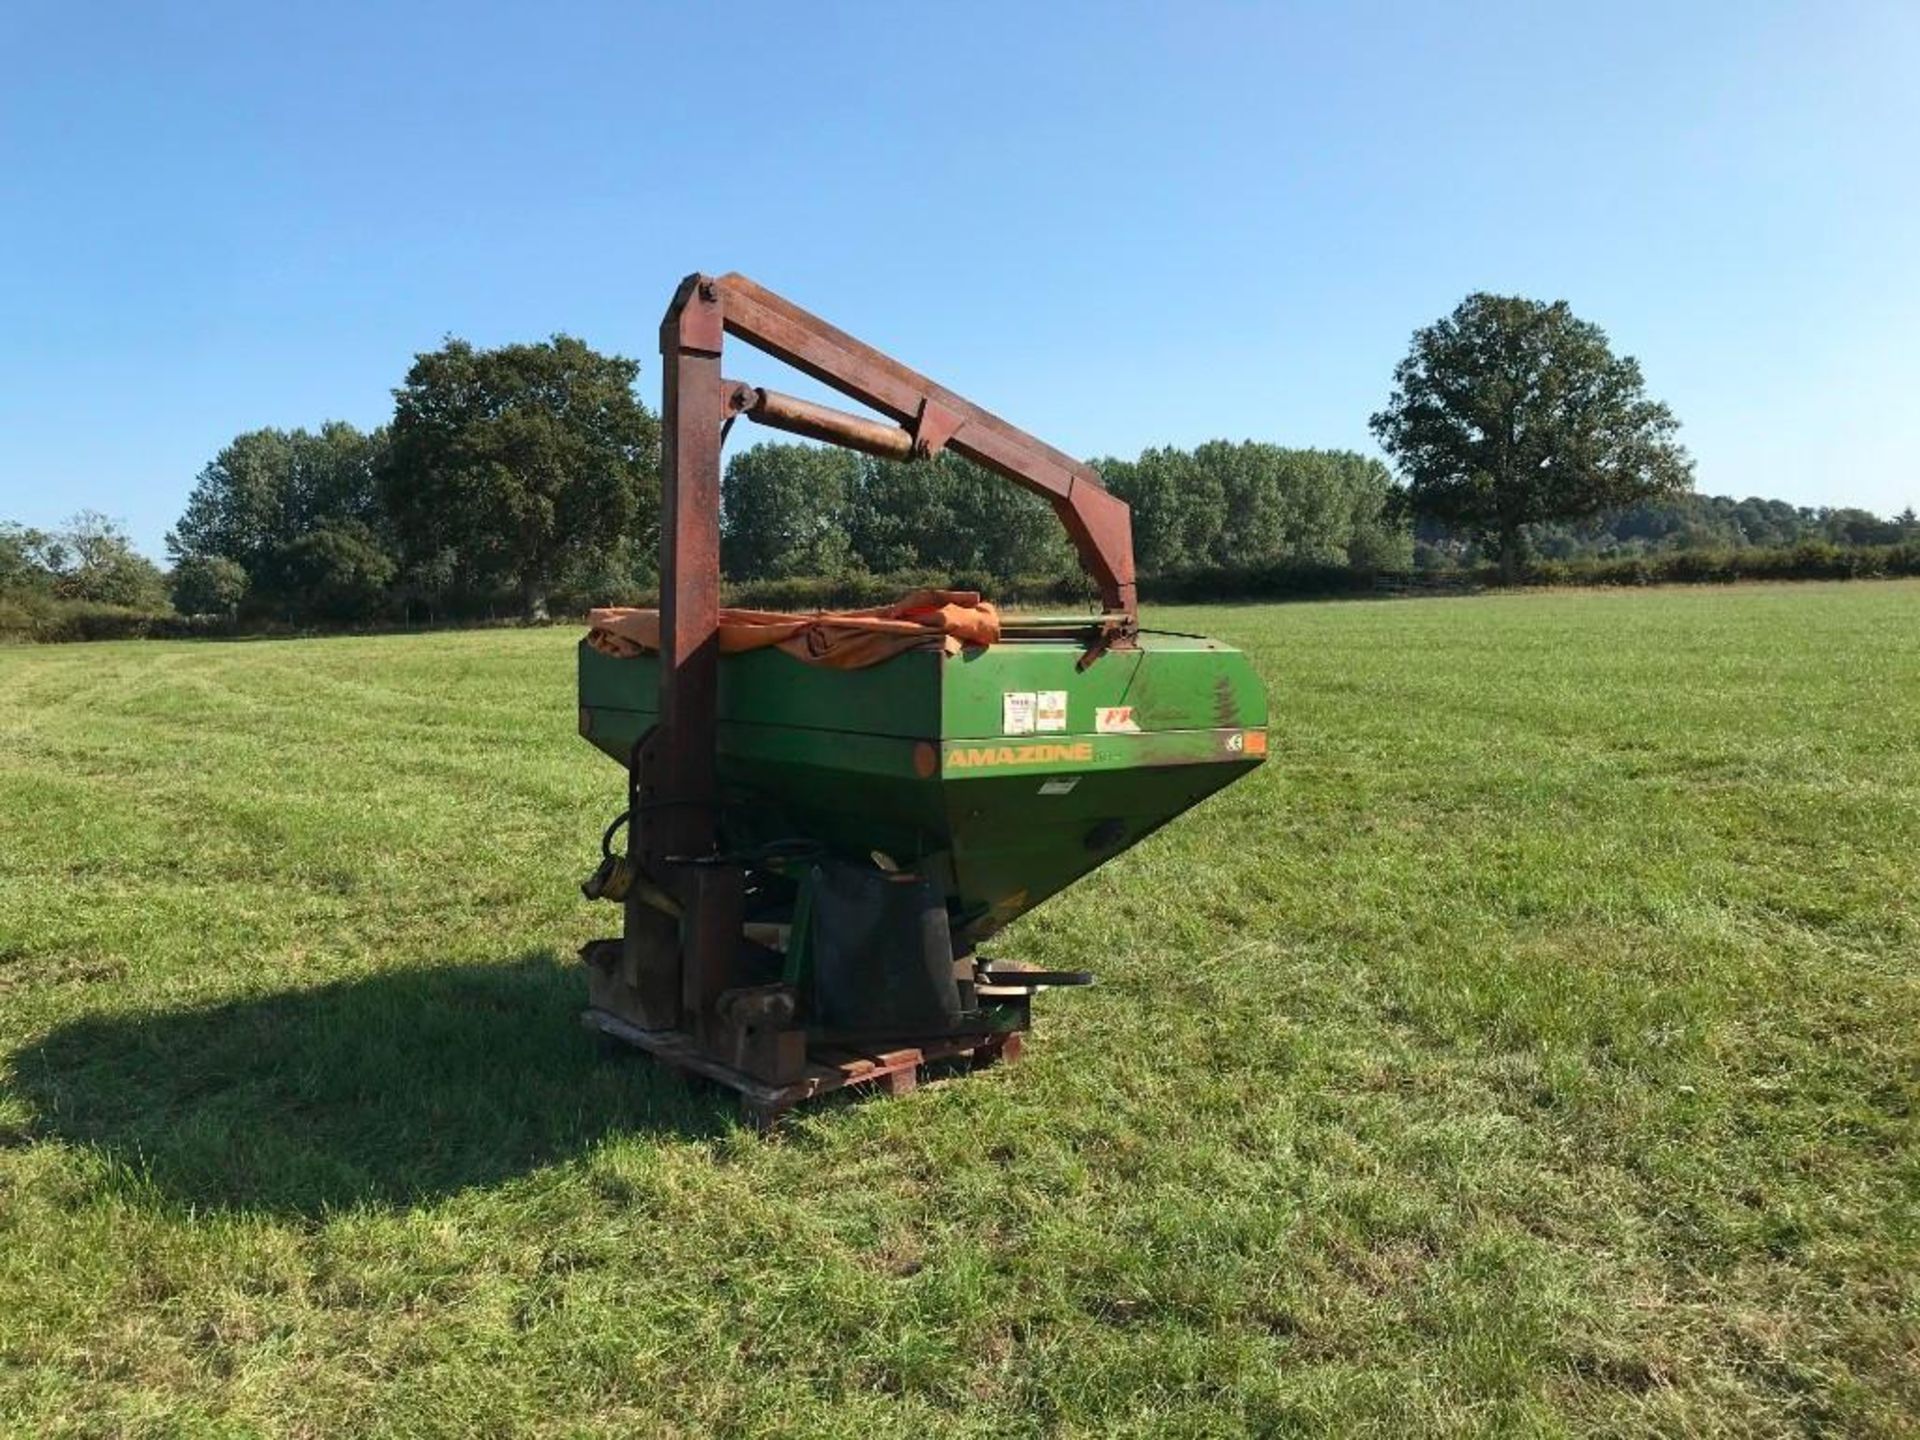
x=928 y=418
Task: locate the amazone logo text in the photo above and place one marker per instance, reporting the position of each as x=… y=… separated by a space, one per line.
x=976 y=756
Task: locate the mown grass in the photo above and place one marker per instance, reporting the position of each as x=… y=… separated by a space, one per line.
x=1530 y=1047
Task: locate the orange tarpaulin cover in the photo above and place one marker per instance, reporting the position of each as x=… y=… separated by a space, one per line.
x=843 y=639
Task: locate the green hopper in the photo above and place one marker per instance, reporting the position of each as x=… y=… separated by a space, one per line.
x=817 y=851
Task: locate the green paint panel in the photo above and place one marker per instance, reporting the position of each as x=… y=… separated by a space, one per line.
x=914 y=758
x=770 y=687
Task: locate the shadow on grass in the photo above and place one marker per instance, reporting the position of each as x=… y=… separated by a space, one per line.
x=386 y=1090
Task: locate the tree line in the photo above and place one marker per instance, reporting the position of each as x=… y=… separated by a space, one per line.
x=795 y=510
x=1679 y=524
x=524 y=478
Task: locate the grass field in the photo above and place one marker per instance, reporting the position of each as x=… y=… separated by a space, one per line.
x=1530 y=1047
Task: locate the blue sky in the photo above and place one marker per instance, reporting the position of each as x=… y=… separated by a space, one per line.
x=1116 y=225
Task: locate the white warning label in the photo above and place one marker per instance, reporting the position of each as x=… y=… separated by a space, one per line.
x=1051 y=710
x=1016 y=712
x=1115 y=720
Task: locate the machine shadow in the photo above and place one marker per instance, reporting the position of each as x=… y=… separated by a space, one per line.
x=390 y=1090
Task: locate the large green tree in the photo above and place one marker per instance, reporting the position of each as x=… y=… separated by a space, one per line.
x=271 y=502
x=510 y=466
x=1511 y=412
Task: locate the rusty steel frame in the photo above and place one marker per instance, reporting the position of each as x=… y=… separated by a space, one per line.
x=674 y=783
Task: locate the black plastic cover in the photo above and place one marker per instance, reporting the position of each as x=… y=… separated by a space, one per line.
x=882 y=953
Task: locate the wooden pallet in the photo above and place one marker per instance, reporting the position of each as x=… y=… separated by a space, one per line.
x=896 y=1070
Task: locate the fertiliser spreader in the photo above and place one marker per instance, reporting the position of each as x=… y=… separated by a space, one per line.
x=827 y=815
